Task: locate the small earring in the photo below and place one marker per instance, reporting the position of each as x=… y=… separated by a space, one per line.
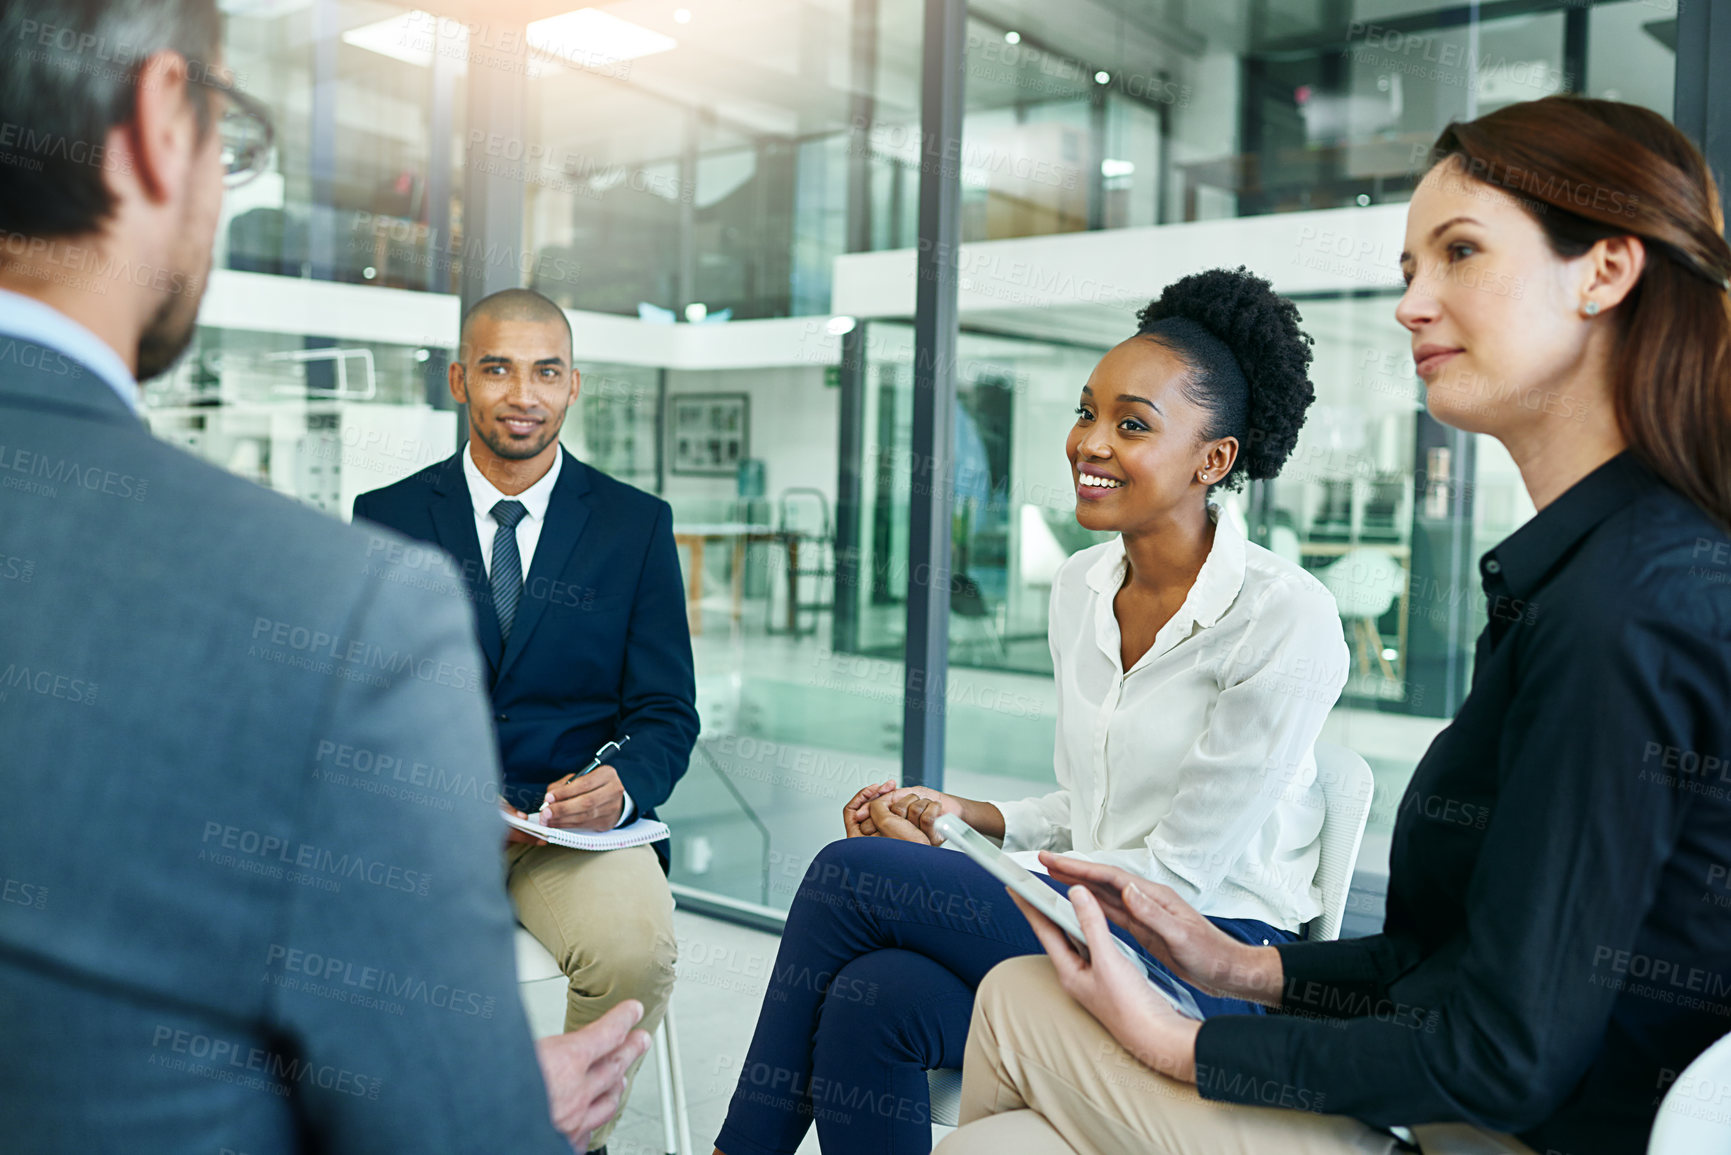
x=1590 y=309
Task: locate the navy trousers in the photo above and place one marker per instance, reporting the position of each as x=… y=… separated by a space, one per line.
x=873 y=986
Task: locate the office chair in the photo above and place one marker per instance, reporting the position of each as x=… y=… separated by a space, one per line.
x=1365 y=583
x=542 y=986
x=968 y=603
x=1347 y=784
x=1691 y=1118
x=803 y=525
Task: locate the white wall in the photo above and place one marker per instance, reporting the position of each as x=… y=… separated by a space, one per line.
x=295 y=306
x=1307 y=252
x=793 y=431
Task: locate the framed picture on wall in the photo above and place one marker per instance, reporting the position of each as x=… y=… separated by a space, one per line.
x=708 y=433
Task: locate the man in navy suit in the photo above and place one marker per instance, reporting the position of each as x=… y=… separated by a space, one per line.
x=580 y=613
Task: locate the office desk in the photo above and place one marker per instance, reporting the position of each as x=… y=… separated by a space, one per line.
x=694 y=536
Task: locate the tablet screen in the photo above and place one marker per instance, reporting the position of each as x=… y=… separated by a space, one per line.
x=1053 y=905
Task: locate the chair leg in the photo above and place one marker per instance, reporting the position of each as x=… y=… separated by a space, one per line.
x=1370 y=648
x=681 y=1112
x=1355 y=639
x=997 y=635
x=664 y=1080
x=1387 y=666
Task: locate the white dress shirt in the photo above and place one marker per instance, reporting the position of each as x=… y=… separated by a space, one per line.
x=1196 y=768
x=29 y=319
x=484 y=496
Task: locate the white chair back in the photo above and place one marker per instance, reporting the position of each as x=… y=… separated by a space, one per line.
x=1346 y=783
x=1040 y=554
x=1365 y=582
x=1692 y=1118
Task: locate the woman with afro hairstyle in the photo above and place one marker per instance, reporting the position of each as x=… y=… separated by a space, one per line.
x=1194 y=671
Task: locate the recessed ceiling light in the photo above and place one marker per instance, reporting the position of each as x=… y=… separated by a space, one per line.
x=410 y=37
x=591 y=36
x=1102 y=77
x=1012 y=38
x=587 y=37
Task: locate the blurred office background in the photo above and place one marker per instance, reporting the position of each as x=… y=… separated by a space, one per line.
x=724 y=195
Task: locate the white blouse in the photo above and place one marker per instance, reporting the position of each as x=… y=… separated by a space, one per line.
x=1197 y=767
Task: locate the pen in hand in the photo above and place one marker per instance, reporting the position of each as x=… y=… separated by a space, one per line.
x=601 y=756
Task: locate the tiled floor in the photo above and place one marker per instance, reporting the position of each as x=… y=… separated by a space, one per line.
x=722 y=973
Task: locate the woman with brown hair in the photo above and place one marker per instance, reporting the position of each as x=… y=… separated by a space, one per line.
x=1546 y=970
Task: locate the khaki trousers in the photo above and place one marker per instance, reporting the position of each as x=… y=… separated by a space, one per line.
x=606 y=917
x=1043 y=1077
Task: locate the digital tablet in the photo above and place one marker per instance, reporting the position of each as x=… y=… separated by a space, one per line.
x=1053 y=905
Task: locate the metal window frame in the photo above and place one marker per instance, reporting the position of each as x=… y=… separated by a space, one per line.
x=1701 y=96
x=937 y=272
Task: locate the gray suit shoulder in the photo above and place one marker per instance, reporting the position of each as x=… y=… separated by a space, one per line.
x=264 y=536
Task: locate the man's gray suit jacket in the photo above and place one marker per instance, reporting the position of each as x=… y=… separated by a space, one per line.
x=251 y=882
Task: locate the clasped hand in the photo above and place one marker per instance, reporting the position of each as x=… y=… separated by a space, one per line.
x=886 y=810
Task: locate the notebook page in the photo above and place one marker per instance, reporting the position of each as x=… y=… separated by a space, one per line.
x=638 y=833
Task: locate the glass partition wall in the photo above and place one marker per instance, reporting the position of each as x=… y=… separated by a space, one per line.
x=690 y=176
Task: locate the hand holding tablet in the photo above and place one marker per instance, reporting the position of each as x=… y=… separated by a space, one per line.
x=1054 y=906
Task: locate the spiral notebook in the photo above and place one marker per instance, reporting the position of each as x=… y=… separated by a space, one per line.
x=638 y=833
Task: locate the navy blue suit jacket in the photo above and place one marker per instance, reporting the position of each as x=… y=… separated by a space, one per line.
x=600 y=646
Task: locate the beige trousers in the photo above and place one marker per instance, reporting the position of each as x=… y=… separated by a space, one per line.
x=1043 y=1077
x=607 y=918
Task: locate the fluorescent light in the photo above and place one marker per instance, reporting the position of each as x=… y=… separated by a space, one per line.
x=409 y=37
x=839 y=326
x=590 y=36
x=262 y=9
x=1110 y=167
x=587 y=37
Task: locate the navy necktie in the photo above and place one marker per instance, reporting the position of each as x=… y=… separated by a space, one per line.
x=507 y=572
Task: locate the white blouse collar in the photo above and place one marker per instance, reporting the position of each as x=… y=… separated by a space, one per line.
x=1216 y=586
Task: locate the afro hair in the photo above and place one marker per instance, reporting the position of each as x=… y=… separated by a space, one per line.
x=1259 y=328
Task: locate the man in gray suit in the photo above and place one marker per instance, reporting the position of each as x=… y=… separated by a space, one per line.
x=250 y=889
